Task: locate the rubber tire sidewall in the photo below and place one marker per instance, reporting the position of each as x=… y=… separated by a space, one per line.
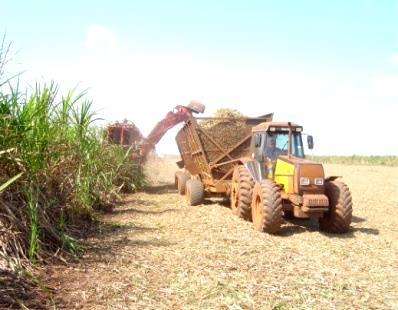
x=267 y=207
x=339 y=216
x=241 y=192
x=194 y=192
x=180 y=181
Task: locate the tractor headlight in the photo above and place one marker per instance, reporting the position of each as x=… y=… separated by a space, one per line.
x=318 y=181
x=304 y=181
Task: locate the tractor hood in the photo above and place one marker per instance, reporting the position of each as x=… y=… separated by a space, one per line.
x=306 y=176
x=296 y=160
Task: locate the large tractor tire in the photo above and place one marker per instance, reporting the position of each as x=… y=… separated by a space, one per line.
x=267 y=207
x=339 y=216
x=180 y=181
x=194 y=192
x=241 y=192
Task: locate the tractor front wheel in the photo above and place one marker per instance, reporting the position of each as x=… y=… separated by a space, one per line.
x=267 y=207
x=338 y=218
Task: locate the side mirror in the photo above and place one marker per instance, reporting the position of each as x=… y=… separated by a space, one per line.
x=310 y=142
x=257 y=140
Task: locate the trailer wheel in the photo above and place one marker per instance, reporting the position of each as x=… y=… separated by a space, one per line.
x=338 y=218
x=180 y=180
x=267 y=207
x=241 y=192
x=194 y=192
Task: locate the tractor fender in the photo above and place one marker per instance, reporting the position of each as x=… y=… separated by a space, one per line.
x=332 y=178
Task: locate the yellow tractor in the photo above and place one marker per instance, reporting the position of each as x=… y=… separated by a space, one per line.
x=276 y=180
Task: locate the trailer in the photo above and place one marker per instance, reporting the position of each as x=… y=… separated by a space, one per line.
x=209 y=154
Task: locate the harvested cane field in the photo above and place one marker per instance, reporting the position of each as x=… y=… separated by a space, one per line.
x=154 y=252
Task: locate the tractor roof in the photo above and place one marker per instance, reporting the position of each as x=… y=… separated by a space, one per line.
x=267 y=125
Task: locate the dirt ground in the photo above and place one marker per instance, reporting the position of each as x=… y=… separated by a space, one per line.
x=154 y=252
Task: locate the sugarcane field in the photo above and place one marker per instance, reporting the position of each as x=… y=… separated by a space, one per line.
x=198 y=155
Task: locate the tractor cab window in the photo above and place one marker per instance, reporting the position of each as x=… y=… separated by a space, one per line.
x=277 y=143
x=297 y=145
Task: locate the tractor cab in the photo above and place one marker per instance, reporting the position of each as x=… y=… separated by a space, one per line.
x=272 y=139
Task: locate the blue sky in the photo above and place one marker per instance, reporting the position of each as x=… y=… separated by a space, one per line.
x=331 y=66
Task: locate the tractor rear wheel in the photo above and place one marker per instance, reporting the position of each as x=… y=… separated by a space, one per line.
x=180 y=180
x=194 y=192
x=241 y=192
x=267 y=207
x=339 y=216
